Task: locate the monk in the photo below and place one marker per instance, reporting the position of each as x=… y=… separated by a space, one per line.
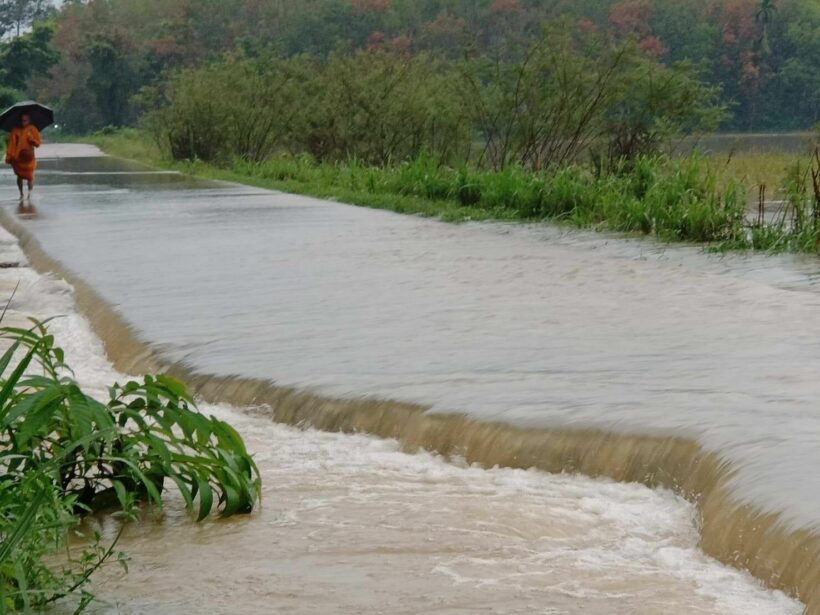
x=20 y=152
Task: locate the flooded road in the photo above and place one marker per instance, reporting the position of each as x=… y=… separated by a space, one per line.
x=350 y=524
x=526 y=326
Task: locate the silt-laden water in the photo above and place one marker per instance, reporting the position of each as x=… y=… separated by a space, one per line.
x=528 y=326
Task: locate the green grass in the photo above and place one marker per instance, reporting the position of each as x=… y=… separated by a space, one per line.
x=692 y=199
x=125 y=143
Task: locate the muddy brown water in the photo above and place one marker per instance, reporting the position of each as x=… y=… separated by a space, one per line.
x=563 y=351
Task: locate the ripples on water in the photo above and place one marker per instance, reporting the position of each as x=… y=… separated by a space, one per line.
x=349 y=524
x=526 y=325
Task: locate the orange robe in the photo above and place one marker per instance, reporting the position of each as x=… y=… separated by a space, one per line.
x=23 y=139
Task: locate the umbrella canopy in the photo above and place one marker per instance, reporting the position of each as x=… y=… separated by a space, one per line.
x=41 y=116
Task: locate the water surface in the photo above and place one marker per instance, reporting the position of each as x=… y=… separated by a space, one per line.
x=349 y=524
x=527 y=325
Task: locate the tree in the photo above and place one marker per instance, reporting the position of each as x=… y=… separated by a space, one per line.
x=542 y=105
x=381 y=107
x=798 y=78
x=761 y=52
x=656 y=104
x=765 y=13
x=632 y=17
x=112 y=78
x=17 y=15
x=231 y=109
x=27 y=55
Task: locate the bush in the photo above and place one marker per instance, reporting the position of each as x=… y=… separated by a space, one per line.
x=376 y=107
x=468 y=187
x=380 y=108
x=676 y=200
x=654 y=104
x=231 y=109
x=423 y=177
x=64 y=454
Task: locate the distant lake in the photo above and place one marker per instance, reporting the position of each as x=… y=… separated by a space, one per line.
x=764 y=142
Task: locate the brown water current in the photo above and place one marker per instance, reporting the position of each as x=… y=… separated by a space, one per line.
x=350 y=524
x=562 y=351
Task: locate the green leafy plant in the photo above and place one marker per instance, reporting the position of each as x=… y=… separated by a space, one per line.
x=63 y=454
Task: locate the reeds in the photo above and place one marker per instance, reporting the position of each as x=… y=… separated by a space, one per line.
x=794 y=223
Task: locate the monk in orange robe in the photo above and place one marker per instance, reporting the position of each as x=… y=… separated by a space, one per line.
x=20 y=152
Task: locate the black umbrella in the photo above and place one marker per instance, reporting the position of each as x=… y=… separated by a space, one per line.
x=41 y=116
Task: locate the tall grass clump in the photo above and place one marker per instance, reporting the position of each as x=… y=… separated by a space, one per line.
x=795 y=226
x=64 y=454
x=513 y=189
x=573 y=194
x=672 y=199
x=678 y=200
x=424 y=177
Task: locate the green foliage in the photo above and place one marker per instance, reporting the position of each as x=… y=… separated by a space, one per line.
x=796 y=226
x=679 y=201
x=656 y=104
x=380 y=107
x=9 y=96
x=375 y=107
x=27 y=55
x=760 y=52
x=540 y=103
x=674 y=200
x=64 y=453
x=17 y=15
x=234 y=109
x=111 y=79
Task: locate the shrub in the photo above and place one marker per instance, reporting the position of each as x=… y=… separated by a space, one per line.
x=423 y=177
x=232 y=109
x=64 y=454
x=468 y=187
x=381 y=108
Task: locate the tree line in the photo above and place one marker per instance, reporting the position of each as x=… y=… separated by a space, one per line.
x=104 y=54
x=92 y=58
x=540 y=103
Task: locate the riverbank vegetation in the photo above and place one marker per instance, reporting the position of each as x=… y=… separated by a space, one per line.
x=64 y=455
x=577 y=128
x=713 y=200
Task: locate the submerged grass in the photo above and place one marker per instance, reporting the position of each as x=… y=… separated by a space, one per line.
x=693 y=199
